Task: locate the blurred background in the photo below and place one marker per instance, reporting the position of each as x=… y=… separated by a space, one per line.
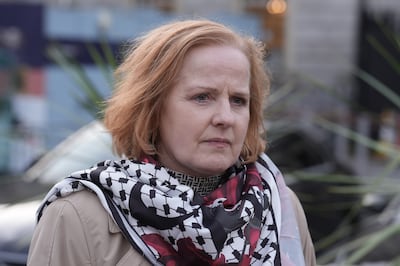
x=333 y=115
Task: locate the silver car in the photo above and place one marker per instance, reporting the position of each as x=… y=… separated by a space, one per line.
x=82 y=149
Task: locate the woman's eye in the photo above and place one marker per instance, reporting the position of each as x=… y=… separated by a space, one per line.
x=202 y=97
x=239 y=101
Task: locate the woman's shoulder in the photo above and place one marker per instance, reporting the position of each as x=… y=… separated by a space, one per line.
x=305 y=237
x=88 y=208
x=83 y=208
x=86 y=221
x=85 y=202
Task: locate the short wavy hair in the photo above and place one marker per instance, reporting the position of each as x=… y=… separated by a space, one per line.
x=148 y=71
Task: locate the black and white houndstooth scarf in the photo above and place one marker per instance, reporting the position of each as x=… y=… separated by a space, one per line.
x=237 y=223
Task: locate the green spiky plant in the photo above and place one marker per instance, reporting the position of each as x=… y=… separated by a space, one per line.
x=103 y=59
x=356 y=248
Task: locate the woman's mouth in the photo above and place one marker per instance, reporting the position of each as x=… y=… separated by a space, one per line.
x=218 y=142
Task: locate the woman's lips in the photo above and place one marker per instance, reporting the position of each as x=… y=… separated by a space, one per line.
x=219 y=142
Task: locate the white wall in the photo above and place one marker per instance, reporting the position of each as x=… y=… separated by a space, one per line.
x=321 y=37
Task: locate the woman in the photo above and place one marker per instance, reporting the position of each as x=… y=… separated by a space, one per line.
x=196 y=187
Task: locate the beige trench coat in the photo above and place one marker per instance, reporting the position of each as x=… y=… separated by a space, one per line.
x=76 y=230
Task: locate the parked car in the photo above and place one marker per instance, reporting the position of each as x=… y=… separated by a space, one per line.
x=91 y=144
x=21 y=198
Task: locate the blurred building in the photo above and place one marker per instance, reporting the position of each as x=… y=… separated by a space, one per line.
x=315 y=40
x=42 y=100
x=22 y=86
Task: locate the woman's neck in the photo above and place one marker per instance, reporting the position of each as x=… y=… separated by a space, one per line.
x=201 y=185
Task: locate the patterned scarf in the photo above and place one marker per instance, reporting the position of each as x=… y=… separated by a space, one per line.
x=238 y=223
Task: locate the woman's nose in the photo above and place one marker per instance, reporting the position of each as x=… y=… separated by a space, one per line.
x=223 y=115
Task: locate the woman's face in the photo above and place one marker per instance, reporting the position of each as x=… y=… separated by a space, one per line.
x=205 y=117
